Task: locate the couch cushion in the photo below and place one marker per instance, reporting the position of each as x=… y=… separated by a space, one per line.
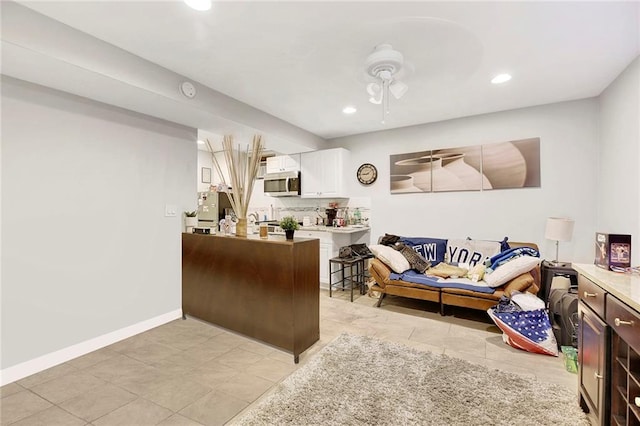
x=434 y=281
x=390 y=257
x=510 y=270
x=432 y=249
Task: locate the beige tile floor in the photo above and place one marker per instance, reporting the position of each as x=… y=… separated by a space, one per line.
x=192 y=373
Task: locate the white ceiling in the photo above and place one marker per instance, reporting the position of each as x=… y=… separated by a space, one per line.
x=303 y=61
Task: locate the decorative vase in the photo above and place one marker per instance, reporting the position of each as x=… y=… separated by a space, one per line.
x=403 y=183
x=472 y=178
x=191 y=221
x=241 y=227
x=504 y=165
x=430 y=175
x=289 y=233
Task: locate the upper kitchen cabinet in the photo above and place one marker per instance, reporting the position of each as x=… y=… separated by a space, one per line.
x=283 y=163
x=323 y=173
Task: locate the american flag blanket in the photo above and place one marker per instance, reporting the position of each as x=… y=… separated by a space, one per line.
x=525 y=325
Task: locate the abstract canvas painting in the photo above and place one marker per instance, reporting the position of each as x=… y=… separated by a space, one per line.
x=513 y=164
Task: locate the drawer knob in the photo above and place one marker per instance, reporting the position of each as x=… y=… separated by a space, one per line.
x=589 y=294
x=618 y=322
x=597 y=376
x=637 y=401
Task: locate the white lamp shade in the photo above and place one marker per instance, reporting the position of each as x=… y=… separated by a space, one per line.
x=559 y=229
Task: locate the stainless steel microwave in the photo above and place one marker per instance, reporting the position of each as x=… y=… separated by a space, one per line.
x=285 y=184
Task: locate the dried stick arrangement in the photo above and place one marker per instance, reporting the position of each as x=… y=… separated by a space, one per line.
x=243 y=166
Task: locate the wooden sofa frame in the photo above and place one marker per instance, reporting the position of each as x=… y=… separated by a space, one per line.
x=528 y=282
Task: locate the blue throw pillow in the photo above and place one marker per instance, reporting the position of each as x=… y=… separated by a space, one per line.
x=432 y=249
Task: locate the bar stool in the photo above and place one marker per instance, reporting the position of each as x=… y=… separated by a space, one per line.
x=354 y=277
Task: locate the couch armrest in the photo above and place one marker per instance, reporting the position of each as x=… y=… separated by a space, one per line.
x=379 y=271
x=522 y=283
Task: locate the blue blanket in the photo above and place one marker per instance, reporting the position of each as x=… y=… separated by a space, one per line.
x=418 y=278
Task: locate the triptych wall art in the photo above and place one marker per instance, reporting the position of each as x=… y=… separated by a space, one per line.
x=514 y=164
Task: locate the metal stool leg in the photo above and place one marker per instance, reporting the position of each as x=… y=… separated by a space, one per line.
x=351 y=279
x=331 y=274
x=363 y=282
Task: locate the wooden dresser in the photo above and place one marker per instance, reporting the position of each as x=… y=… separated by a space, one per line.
x=265 y=289
x=609 y=345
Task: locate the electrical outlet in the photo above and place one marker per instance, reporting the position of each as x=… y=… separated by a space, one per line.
x=170 y=210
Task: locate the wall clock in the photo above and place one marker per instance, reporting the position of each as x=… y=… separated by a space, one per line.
x=367 y=174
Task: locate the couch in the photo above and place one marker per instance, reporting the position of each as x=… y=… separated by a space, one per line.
x=384 y=284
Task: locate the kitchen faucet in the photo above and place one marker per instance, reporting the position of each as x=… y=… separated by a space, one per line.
x=255 y=217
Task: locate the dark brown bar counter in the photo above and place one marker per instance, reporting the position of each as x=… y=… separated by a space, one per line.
x=268 y=290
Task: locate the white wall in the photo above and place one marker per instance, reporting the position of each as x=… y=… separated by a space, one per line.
x=568 y=150
x=86 y=249
x=618 y=203
x=44 y=51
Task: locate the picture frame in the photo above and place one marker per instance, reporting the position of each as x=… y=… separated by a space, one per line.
x=206 y=175
x=481 y=167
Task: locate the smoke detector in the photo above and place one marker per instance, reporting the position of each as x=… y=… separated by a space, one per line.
x=188 y=89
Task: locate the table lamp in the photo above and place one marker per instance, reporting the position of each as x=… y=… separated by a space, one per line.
x=558 y=229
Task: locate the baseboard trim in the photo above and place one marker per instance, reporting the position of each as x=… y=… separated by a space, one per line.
x=27 y=368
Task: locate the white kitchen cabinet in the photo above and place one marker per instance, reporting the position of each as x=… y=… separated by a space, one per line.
x=283 y=163
x=330 y=243
x=325 y=255
x=323 y=173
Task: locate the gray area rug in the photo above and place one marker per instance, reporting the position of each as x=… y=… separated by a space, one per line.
x=357 y=380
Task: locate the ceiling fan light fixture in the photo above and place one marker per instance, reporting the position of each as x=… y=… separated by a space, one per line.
x=374 y=89
x=384 y=55
x=398 y=89
x=383 y=64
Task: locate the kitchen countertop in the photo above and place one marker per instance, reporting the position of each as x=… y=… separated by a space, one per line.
x=625 y=287
x=339 y=230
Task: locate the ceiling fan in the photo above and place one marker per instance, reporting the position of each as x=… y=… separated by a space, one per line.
x=384 y=64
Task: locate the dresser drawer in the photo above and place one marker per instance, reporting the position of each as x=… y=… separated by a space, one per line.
x=591 y=295
x=624 y=321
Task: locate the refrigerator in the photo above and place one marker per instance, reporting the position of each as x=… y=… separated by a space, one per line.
x=212 y=206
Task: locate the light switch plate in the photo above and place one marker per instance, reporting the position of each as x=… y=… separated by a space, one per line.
x=170 y=210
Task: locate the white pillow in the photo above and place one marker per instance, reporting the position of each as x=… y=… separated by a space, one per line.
x=510 y=270
x=469 y=251
x=390 y=257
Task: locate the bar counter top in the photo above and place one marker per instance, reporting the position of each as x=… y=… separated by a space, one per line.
x=267 y=289
x=625 y=287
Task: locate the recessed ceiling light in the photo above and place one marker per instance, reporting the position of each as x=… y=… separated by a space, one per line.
x=349 y=110
x=200 y=142
x=199 y=4
x=501 y=78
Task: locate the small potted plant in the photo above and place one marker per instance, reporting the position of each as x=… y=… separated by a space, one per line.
x=289 y=224
x=191 y=219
